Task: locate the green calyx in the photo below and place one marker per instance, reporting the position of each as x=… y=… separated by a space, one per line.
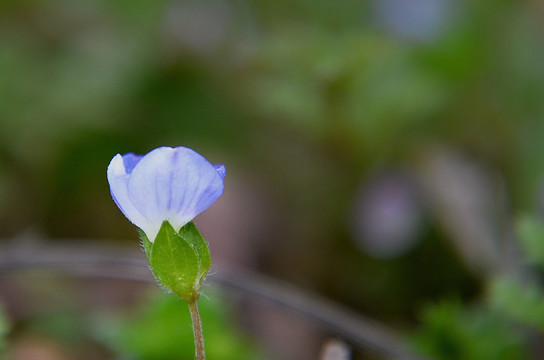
x=179 y=260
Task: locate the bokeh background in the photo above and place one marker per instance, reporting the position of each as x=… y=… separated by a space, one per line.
x=385 y=154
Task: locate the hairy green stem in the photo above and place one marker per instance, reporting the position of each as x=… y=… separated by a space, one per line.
x=197 y=331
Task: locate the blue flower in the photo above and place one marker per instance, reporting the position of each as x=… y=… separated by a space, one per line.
x=172 y=184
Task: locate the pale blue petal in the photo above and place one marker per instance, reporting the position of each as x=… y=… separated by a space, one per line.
x=221 y=170
x=174 y=185
x=130 y=160
x=118 y=180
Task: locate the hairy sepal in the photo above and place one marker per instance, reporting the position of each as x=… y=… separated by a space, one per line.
x=179 y=260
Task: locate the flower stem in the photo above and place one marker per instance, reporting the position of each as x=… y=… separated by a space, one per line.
x=197 y=331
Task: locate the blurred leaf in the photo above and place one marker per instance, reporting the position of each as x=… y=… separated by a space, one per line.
x=531 y=236
x=66 y=326
x=161 y=330
x=451 y=331
x=4 y=329
x=523 y=303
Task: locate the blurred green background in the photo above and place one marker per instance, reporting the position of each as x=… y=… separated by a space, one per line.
x=380 y=153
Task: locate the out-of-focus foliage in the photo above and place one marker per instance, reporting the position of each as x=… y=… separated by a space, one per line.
x=454 y=332
x=4 y=329
x=161 y=329
x=503 y=324
x=531 y=237
x=154 y=325
x=523 y=303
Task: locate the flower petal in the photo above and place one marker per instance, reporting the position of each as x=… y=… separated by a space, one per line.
x=174 y=185
x=130 y=160
x=220 y=168
x=118 y=180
